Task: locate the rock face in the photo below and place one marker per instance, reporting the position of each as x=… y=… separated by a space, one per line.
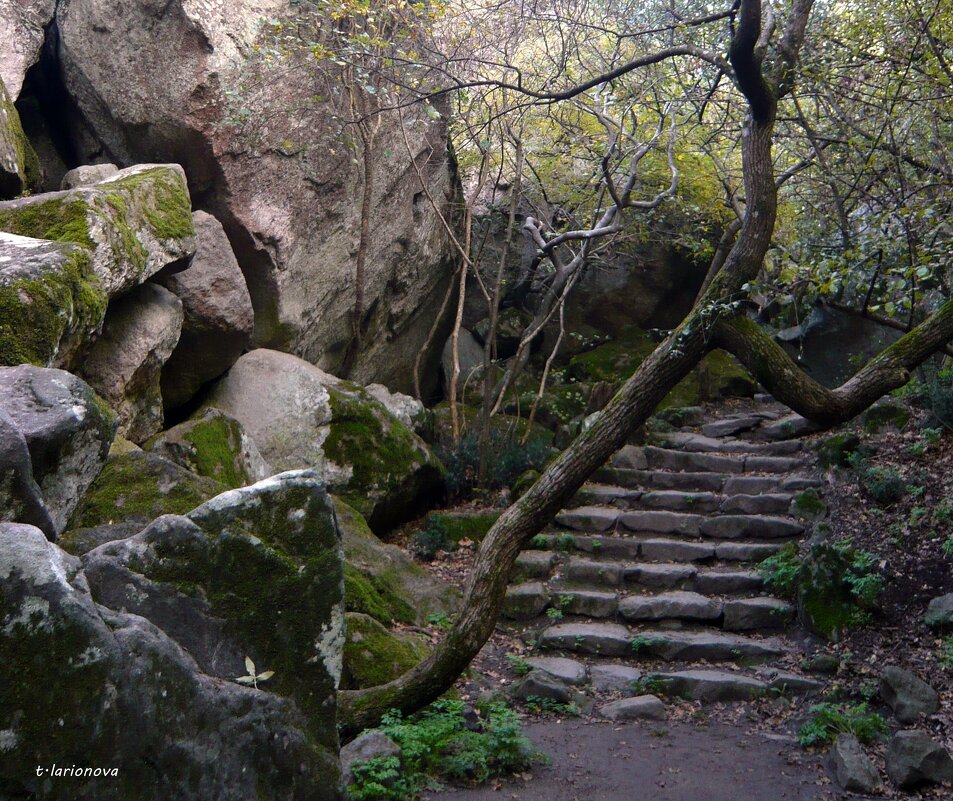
x=141 y=643
x=302 y=417
x=373 y=655
x=213 y=445
x=293 y=211
x=67 y=429
x=134 y=224
x=19 y=166
x=218 y=314
x=88 y=175
x=20 y=496
x=51 y=303
x=22 y=29
x=141 y=330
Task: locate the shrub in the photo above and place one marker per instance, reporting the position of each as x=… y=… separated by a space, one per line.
x=435 y=537
x=379 y=779
x=884 y=484
x=828 y=720
x=836 y=451
x=508 y=459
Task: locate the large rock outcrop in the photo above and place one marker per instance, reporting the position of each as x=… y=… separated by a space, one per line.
x=67 y=429
x=19 y=165
x=301 y=417
x=134 y=658
x=22 y=30
x=288 y=194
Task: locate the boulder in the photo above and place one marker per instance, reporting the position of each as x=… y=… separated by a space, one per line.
x=142 y=650
x=213 y=445
x=542 y=684
x=51 y=303
x=19 y=165
x=292 y=208
x=372 y=744
x=219 y=319
x=20 y=498
x=914 y=760
x=22 y=30
x=852 y=768
x=382 y=581
x=88 y=175
x=123 y=366
x=907 y=695
x=566 y=670
x=136 y=488
x=374 y=655
x=615 y=679
x=134 y=224
x=300 y=416
x=67 y=429
x=470 y=361
x=642 y=707
x=939 y=614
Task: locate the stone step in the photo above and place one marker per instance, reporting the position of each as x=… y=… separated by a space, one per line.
x=730 y=426
x=756 y=614
x=614 y=639
x=648 y=548
x=678 y=461
x=589 y=518
x=736 y=527
x=525 y=601
x=708 y=685
x=679 y=605
x=721 y=483
x=697 y=443
x=607 y=495
x=582 y=573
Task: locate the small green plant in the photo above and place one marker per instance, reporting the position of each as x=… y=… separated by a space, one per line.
x=435 y=537
x=640 y=643
x=380 y=779
x=651 y=684
x=810 y=504
x=884 y=484
x=539 y=543
x=948 y=545
x=253 y=676
x=554 y=613
x=550 y=706
x=441 y=743
x=828 y=720
x=780 y=571
x=520 y=666
x=565 y=542
x=945 y=655
x=440 y=620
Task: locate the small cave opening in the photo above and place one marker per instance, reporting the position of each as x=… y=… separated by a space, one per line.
x=46 y=110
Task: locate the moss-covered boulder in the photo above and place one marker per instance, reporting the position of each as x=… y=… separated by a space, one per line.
x=885 y=414
x=51 y=302
x=133 y=224
x=137 y=487
x=300 y=416
x=381 y=581
x=213 y=445
x=207 y=647
x=374 y=655
x=67 y=430
x=19 y=165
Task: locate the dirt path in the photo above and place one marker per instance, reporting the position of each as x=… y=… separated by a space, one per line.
x=596 y=761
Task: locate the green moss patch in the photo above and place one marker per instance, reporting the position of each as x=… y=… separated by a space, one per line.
x=141 y=486
x=373 y=655
x=61 y=219
x=465 y=525
x=170 y=214
x=42 y=316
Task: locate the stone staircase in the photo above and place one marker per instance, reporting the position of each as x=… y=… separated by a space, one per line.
x=652 y=572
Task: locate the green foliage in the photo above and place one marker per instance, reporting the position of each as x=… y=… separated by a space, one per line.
x=508 y=459
x=550 y=706
x=441 y=744
x=433 y=538
x=810 y=504
x=836 y=451
x=380 y=779
x=884 y=484
x=939 y=395
x=945 y=654
x=828 y=720
x=781 y=571
x=520 y=666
